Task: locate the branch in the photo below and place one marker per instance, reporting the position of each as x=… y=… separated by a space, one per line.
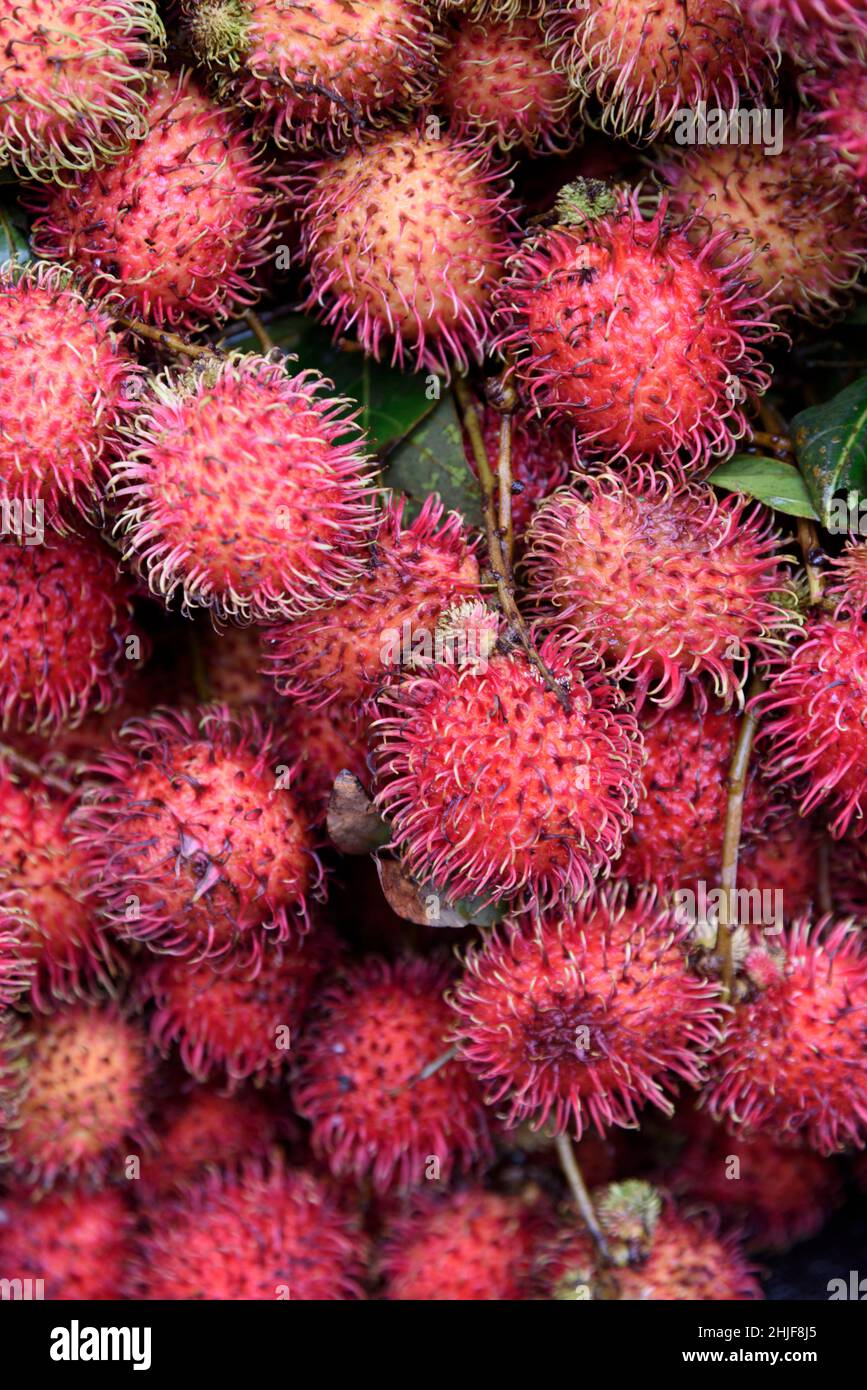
x=813 y=554
x=259 y=331
x=580 y=1195
x=504 y=477
x=777 y=443
x=737 y=784
x=169 y=341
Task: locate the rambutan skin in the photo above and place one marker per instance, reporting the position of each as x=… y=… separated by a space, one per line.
x=76 y=1241
x=319 y=72
x=405 y=239
x=16 y=965
x=84 y=1093
x=192 y=839
x=203 y=1130
x=670 y=587
x=813 y=714
x=810 y=30
x=72 y=86
x=343 y=654
x=837 y=116
x=281 y=527
x=493 y=788
x=175 y=229
x=498 y=79
x=645 y=66
x=69 y=640
x=270 y=1233
x=636 y=336
x=793 y=1063
x=581 y=1018
x=469 y=1246
x=375 y=1029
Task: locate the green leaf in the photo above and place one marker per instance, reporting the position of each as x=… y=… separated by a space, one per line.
x=432 y=459
x=777 y=484
x=14 y=233
x=831 y=446
x=392 y=403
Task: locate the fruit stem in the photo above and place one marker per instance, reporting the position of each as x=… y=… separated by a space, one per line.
x=170 y=341
x=808 y=537
x=18 y=762
x=430 y=1070
x=497 y=546
x=737 y=784
x=259 y=331
x=504 y=477
x=777 y=443
x=580 y=1195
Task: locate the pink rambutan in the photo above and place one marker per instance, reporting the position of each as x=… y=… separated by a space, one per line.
x=69 y=643
x=496 y=785
x=344 y=653
x=581 y=1019
x=281 y=526
x=193 y=840
x=793 y=1063
x=837 y=116
x=203 y=1130
x=646 y=66
x=231 y=665
x=268 y=1233
x=806 y=230
x=319 y=71
x=542 y=458
x=72 y=85
x=813 y=719
x=784 y=859
x=326 y=743
x=16 y=964
x=361 y=1082
x=847 y=580
x=174 y=230
x=466 y=1246
x=669 y=586
x=810 y=29
x=497 y=79
x=405 y=239
x=635 y=334
x=64 y=378
x=76 y=1241
x=83 y=1096
x=238 y=1023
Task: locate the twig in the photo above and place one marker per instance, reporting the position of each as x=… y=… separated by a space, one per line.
x=778 y=443
x=430 y=1070
x=21 y=763
x=496 y=546
x=170 y=341
x=580 y=1195
x=504 y=478
x=259 y=331
x=808 y=537
x=737 y=784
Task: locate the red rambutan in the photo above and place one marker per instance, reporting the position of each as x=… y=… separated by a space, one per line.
x=245 y=490
x=16 y=964
x=405 y=239
x=468 y=1246
x=810 y=29
x=635 y=334
x=784 y=859
x=203 y=1130
x=583 y=1019
x=326 y=743
x=72 y=85
x=647 y=65
x=175 y=229
x=83 y=1095
x=77 y=1242
x=361 y=1082
x=838 y=118
x=793 y=1063
x=266 y=1234
x=192 y=839
x=670 y=587
x=344 y=653
x=847 y=580
x=319 y=71
x=69 y=642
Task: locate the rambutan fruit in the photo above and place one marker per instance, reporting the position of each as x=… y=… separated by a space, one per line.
x=813 y=719
x=72 y=85
x=69 y=642
x=793 y=1063
x=83 y=1097
x=645 y=66
x=579 y=1019
x=678 y=827
x=847 y=580
x=360 y=1078
x=541 y=457
x=231 y=661
x=175 y=229
x=64 y=378
x=193 y=840
x=497 y=79
x=238 y=1023
x=268 y=1233
x=783 y=860
x=344 y=653
x=466 y=1246
x=317 y=72
x=496 y=785
x=76 y=1241
x=810 y=30
x=280 y=526
x=837 y=117
x=326 y=743
x=203 y=1130
x=16 y=964
x=669 y=586
x=13 y=1061
x=635 y=334
x=64 y=944
x=405 y=239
